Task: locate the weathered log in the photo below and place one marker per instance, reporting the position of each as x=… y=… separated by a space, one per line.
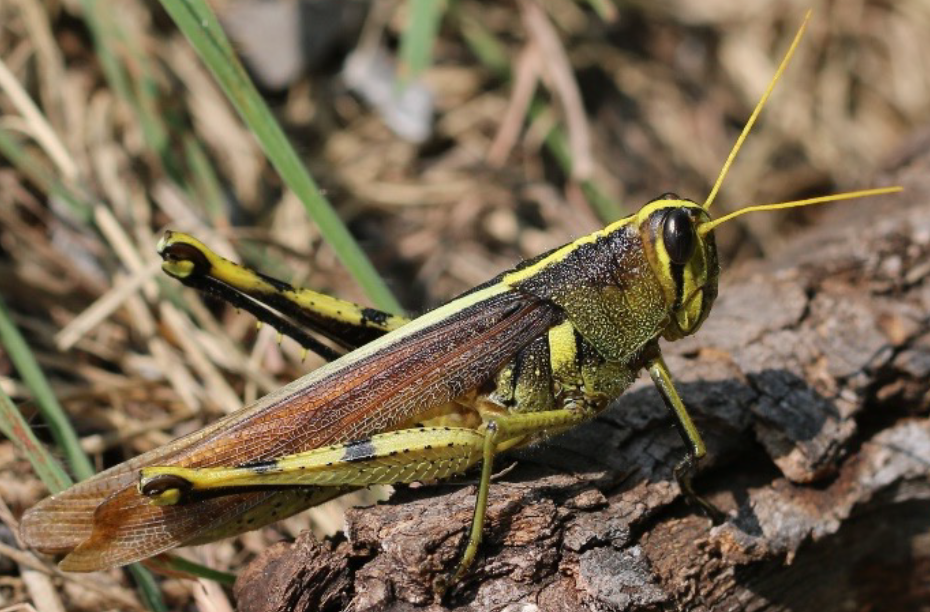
x=811 y=383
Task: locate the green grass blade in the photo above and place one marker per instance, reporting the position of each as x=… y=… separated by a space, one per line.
x=204 y=182
x=489 y=51
x=148 y=588
x=198 y=23
x=180 y=564
x=556 y=142
x=605 y=9
x=419 y=37
x=99 y=28
x=51 y=410
x=14 y=427
x=133 y=83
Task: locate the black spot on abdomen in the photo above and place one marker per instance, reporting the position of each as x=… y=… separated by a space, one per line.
x=360 y=450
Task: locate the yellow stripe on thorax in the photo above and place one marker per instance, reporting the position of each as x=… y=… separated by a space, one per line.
x=560 y=254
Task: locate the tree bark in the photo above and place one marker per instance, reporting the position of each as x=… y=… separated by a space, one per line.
x=811 y=385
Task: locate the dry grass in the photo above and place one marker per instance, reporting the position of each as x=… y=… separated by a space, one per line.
x=652 y=103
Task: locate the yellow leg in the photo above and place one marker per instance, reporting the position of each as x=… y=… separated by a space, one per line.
x=425 y=453
x=684 y=471
x=293 y=311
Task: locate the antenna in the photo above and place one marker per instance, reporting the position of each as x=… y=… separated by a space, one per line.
x=852 y=195
x=757 y=110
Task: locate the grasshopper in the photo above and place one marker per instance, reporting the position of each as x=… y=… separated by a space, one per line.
x=539 y=349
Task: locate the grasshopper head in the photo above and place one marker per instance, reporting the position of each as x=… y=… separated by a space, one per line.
x=678 y=240
x=682 y=258
x=678 y=236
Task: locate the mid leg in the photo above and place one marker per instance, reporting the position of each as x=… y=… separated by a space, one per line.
x=684 y=471
x=506 y=431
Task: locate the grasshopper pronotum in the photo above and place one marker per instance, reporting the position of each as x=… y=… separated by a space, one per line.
x=532 y=352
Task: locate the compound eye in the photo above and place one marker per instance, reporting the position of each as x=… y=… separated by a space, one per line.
x=678 y=235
